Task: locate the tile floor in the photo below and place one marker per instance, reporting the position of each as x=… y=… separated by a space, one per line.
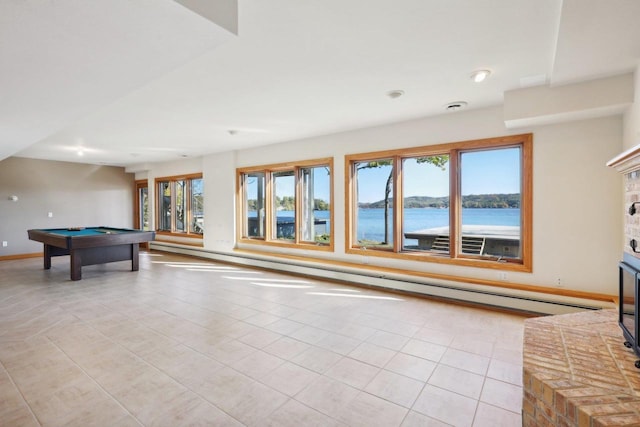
x=190 y=342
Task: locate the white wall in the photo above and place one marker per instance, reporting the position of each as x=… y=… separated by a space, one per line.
x=78 y=195
x=576 y=220
x=219 y=201
x=632 y=117
x=575 y=224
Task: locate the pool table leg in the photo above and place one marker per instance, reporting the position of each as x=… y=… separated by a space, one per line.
x=47 y=257
x=135 y=262
x=76 y=265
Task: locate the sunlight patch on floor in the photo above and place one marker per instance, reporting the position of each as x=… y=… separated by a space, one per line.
x=331 y=294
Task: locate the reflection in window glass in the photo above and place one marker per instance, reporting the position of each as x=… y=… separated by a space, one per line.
x=164 y=189
x=374 y=212
x=284 y=205
x=476 y=192
x=197 y=206
x=316 y=200
x=425 y=208
x=491 y=195
x=287 y=207
x=254 y=204
x=180 y=205
x=143 y=209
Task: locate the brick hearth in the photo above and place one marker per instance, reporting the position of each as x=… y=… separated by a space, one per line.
x=577 y=372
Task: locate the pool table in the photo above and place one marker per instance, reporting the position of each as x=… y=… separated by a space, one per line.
x=91 y=245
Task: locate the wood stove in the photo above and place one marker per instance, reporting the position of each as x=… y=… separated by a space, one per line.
x=629 y=313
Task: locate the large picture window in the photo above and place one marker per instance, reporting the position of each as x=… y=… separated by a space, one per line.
x=315 y=204
x=287 y=205
x=374 y=197
x=180 y=205
x=465 y=203
x=283 y=223
x=425 y=205
x=196 y=213
x=253 y=184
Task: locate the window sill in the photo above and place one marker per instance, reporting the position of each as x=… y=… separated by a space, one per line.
x=182 y=235
x=197 y=243
x=284 y=244
x=514 y=265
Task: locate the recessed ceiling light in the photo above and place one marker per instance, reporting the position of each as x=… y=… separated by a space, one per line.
x=393 y=94
x=454 y=106
x=480 y=75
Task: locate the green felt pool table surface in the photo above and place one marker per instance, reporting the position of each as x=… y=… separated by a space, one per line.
x=91 y=245
x=88 y=231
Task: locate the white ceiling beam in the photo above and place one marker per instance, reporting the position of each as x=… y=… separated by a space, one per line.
x=541 y=105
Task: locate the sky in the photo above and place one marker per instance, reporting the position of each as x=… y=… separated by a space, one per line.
x=483 y=172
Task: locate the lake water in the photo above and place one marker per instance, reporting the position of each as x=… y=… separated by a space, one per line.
x=371 y=221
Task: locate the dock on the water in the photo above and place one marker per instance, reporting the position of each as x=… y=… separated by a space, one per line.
x=489 y=240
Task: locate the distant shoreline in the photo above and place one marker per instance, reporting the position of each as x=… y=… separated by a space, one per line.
x=480 y=201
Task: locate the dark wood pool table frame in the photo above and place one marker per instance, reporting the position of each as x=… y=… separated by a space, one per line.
x=121 y=245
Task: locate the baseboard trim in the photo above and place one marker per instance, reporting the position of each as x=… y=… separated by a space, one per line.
x=21 y=256
x=466 y=291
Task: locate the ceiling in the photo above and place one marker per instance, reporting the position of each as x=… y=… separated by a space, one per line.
x=135 y=81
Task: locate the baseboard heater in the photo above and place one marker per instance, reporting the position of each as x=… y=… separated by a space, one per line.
x=535 y=303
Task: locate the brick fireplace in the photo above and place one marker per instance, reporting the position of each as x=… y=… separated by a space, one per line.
x=576 y=370
x=628 y=164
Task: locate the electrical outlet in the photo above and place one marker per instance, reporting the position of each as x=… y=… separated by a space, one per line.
x=559 y=282
x=503 y=276
x=5 y=243
x=50 y=214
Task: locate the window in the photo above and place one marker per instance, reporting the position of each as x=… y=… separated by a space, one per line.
x=425 y=205
x=287 y=205
x=164 y=208
x=490 y=190
x=196 y=213
x=180 y=205
x=374 y=191
x=283 y=223
x=466 y=203
x=254 y=197
x=315 y=204
x=141 y=208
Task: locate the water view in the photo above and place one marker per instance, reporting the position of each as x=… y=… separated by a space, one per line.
x=371 y=221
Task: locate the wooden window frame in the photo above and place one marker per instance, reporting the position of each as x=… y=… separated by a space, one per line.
x=269 y=238
x=187 y=215
x=524 y=263
x=140 y=184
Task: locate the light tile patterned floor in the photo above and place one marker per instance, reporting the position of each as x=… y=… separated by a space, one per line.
x=190 y=342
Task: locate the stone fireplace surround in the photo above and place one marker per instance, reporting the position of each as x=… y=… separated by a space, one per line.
x=576 y=370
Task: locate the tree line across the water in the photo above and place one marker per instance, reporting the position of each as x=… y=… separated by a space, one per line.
x=493 y=201
x=470 y=201
x=288 y=203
